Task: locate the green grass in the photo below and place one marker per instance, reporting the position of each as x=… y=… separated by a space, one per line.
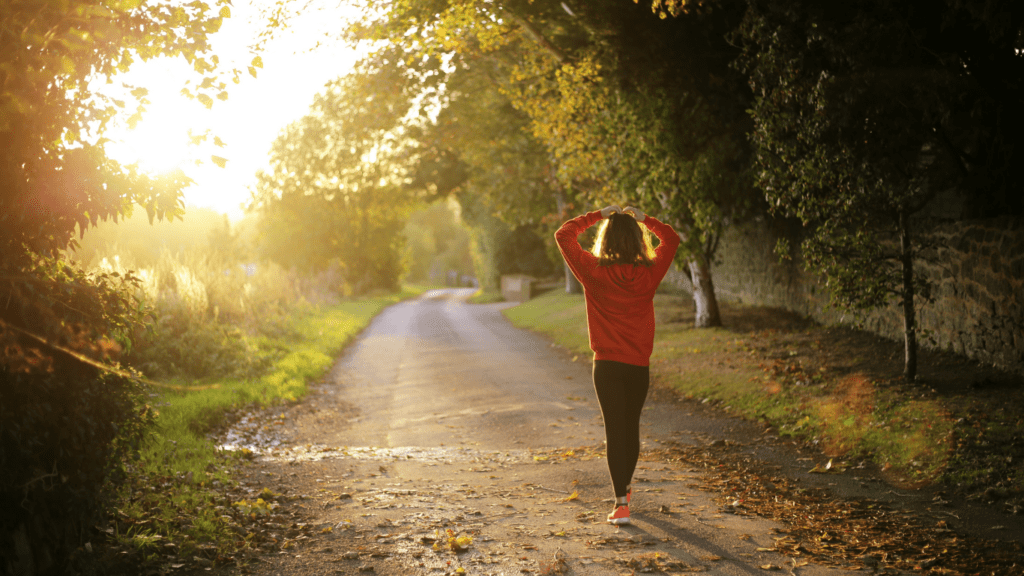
x=486 y=297
x=850 y=417
x=179 y=457
x=561 y=316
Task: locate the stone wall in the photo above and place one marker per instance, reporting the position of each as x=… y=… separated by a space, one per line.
x=977 y=275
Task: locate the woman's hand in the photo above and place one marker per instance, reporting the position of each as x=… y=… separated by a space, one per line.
x=606 y=212
x=635 y=212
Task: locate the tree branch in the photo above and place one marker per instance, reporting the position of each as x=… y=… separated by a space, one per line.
x=539 y=38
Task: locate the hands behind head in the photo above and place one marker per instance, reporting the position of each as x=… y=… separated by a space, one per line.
x=635 y=212
x=613 y=209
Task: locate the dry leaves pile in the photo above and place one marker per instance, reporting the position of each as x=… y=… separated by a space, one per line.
x=833 y=531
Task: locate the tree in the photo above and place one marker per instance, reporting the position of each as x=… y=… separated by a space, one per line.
x=338 y=187
x=509 y=194
x=437 y=241
x=865 y=111
x=611 y=94
x=70 y=415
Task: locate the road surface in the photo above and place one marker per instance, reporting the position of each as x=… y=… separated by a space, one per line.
x=444 y=417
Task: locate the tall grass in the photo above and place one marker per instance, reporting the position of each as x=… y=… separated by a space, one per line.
x=214 y=317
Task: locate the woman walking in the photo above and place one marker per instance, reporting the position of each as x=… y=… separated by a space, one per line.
x=619 y=279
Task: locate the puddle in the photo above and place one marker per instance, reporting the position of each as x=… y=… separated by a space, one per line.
x=254 y=435
x=251 y=432
x=435 y=455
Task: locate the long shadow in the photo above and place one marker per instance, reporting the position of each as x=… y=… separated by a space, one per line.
x=691 y=539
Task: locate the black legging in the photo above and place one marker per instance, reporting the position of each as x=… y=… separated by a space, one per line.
x=621 y=391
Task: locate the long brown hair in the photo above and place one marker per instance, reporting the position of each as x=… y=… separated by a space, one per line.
x=620 y=240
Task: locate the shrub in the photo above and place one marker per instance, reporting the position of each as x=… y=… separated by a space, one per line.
x=67 y=425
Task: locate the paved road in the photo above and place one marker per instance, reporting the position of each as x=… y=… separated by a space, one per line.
x=442 y=416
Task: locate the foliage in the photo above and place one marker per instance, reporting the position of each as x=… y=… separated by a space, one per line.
x=864 y=113
x=589 y=103
x=337 y=189
x=61 y=329
x=437 y=241
x=507 y=188
x=211 y=312
x=55 y=176
x=69 y=427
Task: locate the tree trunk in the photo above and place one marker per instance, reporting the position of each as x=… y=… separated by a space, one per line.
x=572 y=285
x=706 y=314
x=909 y=314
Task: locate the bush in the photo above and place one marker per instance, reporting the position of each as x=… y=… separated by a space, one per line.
x=67 y=426
x=64 y=442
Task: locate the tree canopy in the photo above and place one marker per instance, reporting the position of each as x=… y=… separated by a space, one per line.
x=619 y=105
x=338 y=188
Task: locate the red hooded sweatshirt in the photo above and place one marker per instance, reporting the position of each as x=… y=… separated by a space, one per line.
x=620 y=297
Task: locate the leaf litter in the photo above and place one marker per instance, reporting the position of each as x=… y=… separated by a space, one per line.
x=840 y=532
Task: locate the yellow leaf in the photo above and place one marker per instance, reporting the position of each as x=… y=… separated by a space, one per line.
x=574 y=496
x=225 y=12
x=67 y=66
x=219 y=161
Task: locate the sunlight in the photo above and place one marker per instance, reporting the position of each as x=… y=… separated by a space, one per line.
x=158 y=144
x=160 y=141
x=241 y=129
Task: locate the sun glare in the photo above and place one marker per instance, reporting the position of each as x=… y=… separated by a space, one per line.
x=158 y=145
x=240 y=130
x=160 y=142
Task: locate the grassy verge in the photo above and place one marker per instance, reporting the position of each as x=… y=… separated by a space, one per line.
x=833 y=387
x=176 y=498
x=486 y=297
